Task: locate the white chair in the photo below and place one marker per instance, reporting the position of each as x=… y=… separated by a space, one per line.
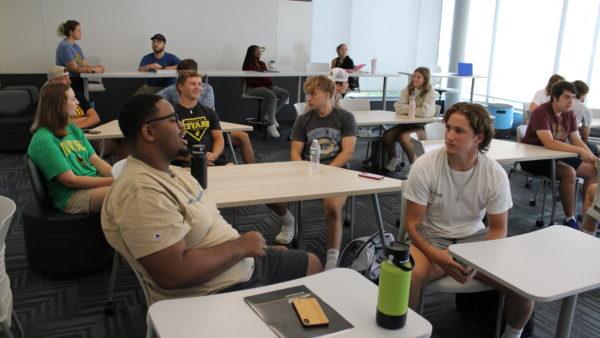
x=95 y=82
x=117 y=168
x=448 y=284
x=355 y=104
x=317 y=67
x=7 y=210
x=435 y=131
x=300 y=108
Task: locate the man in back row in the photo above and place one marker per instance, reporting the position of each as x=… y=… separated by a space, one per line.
x=158 y=217
x=158 y=59
x=551 y=125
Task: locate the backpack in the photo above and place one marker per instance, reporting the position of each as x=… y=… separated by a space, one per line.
x=365 y=255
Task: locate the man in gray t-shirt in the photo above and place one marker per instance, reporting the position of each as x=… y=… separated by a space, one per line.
x=583 y=115
x=335 y=130
x=328 y=130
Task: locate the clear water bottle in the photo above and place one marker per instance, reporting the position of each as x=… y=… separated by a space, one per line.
x=412 y=106
x=315 y=156
x=374 y=65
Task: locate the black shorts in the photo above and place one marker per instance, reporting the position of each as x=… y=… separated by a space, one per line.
x=593 y=148
x=544 y=167
x=277 y=266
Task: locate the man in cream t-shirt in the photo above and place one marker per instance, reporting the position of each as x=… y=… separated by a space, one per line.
x=158 y=217
x=448 y=193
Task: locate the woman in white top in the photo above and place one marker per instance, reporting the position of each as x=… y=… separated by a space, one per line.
x=424 y=96
x=543 y=95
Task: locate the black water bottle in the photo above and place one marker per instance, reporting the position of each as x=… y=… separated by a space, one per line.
x=199 y=170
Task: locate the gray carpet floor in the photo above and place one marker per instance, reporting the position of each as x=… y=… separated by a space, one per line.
x=73 y=306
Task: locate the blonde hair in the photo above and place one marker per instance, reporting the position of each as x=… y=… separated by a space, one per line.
x=322 y=82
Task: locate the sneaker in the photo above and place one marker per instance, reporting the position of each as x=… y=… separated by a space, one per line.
x=286 y=235
x=272 y=131
x=392 y=164
x=330 y=263
x=572 y=223
x=276 y=124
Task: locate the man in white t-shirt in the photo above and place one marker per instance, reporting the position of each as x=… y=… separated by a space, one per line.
x=448 y=193
x=543 y=95
x=583 y=114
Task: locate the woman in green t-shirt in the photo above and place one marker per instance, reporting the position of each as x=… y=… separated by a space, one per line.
x=76 y=178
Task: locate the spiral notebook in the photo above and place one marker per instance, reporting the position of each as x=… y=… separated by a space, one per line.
x=276 y=310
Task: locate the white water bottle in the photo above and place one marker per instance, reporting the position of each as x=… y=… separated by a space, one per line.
x=412 y=106
x=315 y=156
x=374 y=65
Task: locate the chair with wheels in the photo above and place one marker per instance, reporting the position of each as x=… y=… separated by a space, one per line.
x=256 y=122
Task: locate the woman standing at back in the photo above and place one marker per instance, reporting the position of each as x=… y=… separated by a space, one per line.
x=344 y=61
x=274 y=97
x=70 y=55
x=543 y=95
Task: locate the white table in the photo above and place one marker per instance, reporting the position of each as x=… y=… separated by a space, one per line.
x=124 y=75
x=227 y=315
x=548 y=264
x=111 y=130
x=506 y=152
x=383 y=117
x=454 y=76
x=262 y=183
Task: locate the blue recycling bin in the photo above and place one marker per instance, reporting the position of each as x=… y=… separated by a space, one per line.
x=504 y=115
x=517 y=119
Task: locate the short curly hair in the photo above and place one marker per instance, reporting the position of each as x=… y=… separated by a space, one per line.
x=479 y=119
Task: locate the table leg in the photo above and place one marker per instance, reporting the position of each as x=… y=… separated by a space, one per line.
x=298 y=221
x=383 y=97
x=402 y=228
x=378 y=217
x=565 y=319
x=553 y=178
x=86 y=88
x=299 y=90
x=228 y=136
x=472 y=89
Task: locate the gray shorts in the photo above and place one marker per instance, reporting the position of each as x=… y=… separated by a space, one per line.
x=444 y=243
x=277 y=266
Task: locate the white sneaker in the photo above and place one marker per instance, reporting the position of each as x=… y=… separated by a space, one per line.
x=286 y=235
x=392 y=164
x=276 y=124
x=272 y=131
x=331 y=262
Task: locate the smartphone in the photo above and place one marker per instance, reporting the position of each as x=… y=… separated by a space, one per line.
x=372 y=176
x=90 y=131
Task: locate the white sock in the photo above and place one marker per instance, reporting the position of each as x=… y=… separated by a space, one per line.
x=332 y=259
x=287 y=220
x=510 y=332
x=570 y=217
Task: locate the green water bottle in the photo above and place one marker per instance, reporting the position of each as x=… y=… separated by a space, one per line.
x=394 y=286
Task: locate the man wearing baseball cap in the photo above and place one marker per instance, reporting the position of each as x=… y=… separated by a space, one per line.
x=158 y=59
x=85 y=115
x=340 y=77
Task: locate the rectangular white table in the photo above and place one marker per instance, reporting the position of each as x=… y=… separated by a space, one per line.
x=123 y=75
x=506 y=152
x=454 y=76
x=111 y=130
x=545 y=265
x=291 y=181
x=227 y=315
x=383 y=117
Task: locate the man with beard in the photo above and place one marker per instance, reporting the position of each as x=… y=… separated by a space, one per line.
x=158 y=59
x=160 y=220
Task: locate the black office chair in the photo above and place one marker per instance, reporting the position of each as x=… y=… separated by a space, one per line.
x=57 y=242
x=256 y=122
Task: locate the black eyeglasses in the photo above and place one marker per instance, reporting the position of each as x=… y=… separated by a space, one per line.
x=173 y=117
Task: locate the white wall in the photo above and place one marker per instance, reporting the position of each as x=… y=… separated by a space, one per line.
x=403 y=34
x=216 y=33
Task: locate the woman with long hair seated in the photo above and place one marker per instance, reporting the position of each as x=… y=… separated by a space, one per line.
x=75 y=177
x=420 y=90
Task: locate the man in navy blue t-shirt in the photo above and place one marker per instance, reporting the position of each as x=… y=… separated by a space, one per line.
x=158 y=59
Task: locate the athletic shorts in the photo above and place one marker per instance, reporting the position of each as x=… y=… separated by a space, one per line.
x=275 y=267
